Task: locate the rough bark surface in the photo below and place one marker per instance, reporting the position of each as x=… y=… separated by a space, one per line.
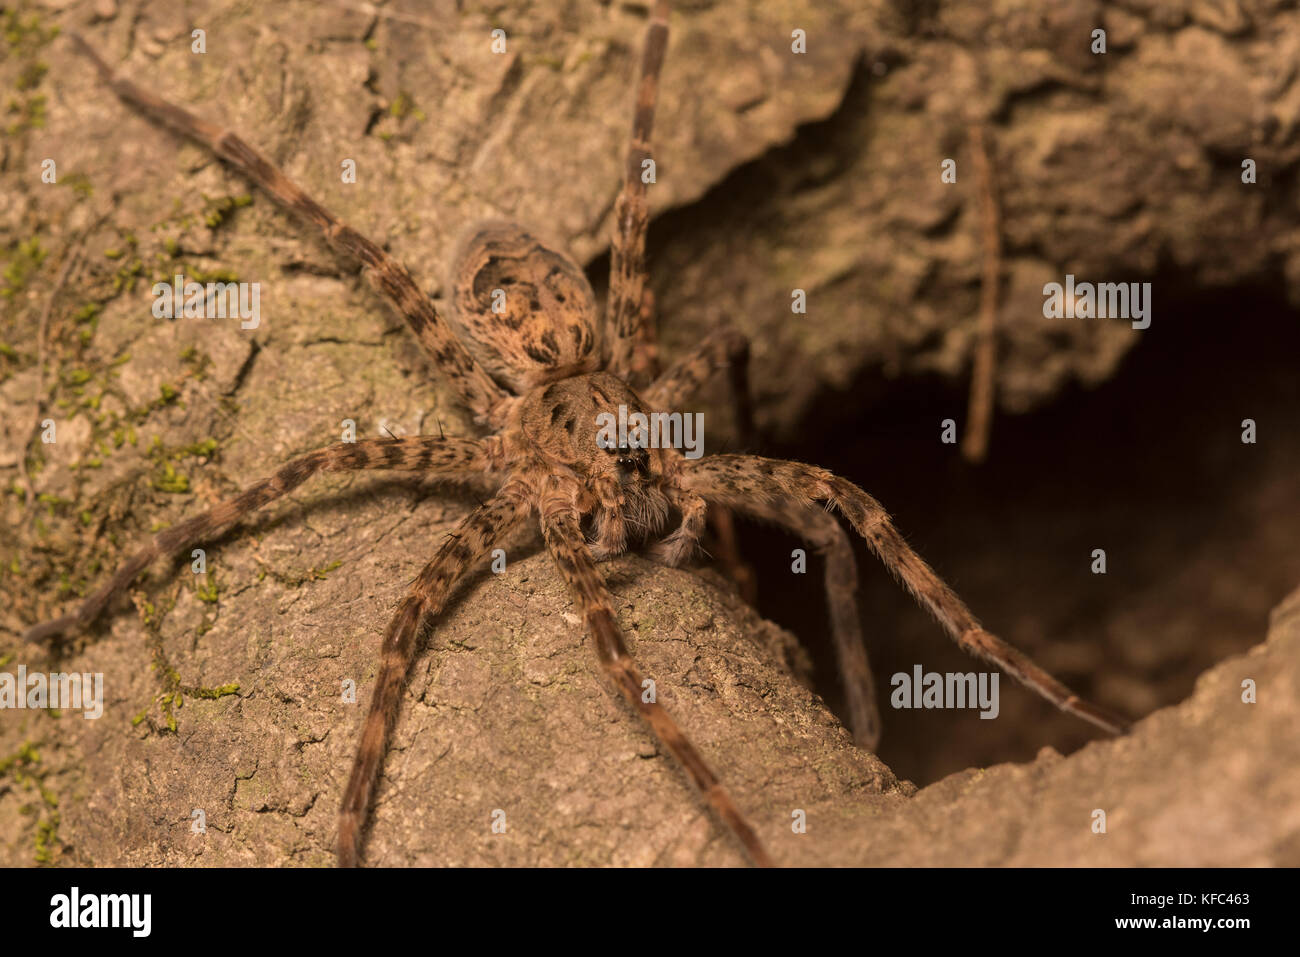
x=1119 y=167
x=513 y=725
x=776 y=172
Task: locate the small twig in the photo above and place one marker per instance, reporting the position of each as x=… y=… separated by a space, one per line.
x=38 y=400
x=983 y=386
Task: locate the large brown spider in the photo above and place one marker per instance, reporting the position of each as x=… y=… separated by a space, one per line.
x=536 y=370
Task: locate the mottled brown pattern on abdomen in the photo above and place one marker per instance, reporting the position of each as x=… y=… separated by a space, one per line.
x=526 y=310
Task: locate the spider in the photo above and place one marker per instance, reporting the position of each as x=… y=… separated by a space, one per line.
x=537 y=372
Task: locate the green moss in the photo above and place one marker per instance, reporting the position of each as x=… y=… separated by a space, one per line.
x=400 y=107
x=319 y=574
x=25 y=756
x=174 y=690
x=126 y=275
x=197 y=362
x=79 y=183
x=25 y=34
x=203 y=449
x=24 y=260
x=47 y=837
x=169 y=480
x=24 y=37
x=216 y=210
x=28 y=113
x=31 y=75
x=207 y=591
x=24 y=766
x=216 y=275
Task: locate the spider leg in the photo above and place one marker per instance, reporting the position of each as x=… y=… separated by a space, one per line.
x=645 y=351
x=609 y=536
x=726 y=552
x=820 y=529
x=627 y=310
x=824 y=533
x=735 y=480
x=450 y=457
x=386 y=274
x=724 y=348
x=462 y=549
x=681 y=544
x=563 y=533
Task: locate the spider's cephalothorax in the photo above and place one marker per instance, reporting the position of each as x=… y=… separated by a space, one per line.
x=532 y=362
x=625 y=481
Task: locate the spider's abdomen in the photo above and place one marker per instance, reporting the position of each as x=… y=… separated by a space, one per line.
x=525 y=310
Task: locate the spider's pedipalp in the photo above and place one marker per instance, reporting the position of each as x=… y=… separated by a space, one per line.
x=450 y=458
x=464 y=547
x=735 y=480
x=682 y=543
x=561 y=528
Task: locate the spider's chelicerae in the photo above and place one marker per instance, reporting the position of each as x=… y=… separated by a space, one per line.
x=537 y=374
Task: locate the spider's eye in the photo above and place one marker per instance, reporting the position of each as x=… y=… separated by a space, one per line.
x=633 y=460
